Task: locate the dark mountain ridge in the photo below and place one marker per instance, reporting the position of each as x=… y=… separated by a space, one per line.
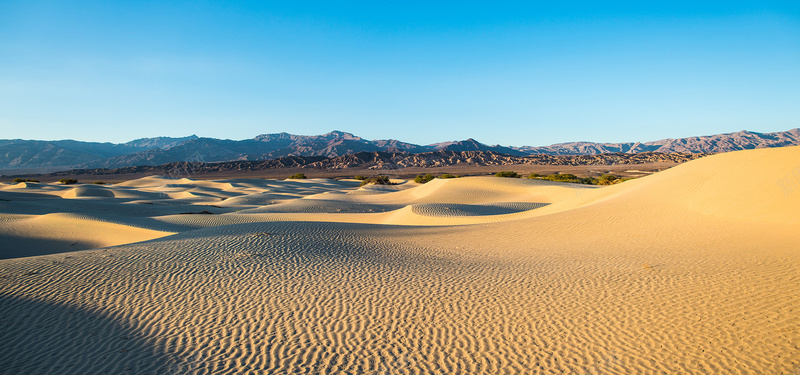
x=383 y=161
x=69 y=154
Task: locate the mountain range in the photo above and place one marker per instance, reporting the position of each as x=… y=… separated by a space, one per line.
x=70 y=154
x=378 y=160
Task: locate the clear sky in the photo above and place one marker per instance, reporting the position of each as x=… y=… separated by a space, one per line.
x=510 y=73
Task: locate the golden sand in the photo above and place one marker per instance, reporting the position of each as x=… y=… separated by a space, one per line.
x=692 y=270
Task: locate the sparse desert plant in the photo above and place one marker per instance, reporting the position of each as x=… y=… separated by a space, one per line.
x=535 y=175
x=607 y=179
x=568 y=177
x=509 y=174
x=298 y=176
x=421 y=179
x=360 y=178
x=379 y=180
x=562 y=177
x=18 y=180
x=68 y=181
x=448 y=175
x=99 y=183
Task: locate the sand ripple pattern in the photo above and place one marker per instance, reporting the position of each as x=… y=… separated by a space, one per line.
x=349 y=298
x=686 y=271
x=452 y=209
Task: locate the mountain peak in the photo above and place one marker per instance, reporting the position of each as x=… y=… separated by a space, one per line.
x=341 y=134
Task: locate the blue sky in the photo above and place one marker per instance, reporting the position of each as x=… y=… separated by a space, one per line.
x=513 y=73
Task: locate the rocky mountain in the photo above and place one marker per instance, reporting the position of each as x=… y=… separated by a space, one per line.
x=262 y=147
x=388 y=161
x=742 y=140
x=473 y=145
x=17 y=154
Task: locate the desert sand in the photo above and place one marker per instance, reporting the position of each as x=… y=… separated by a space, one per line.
x=695 y=269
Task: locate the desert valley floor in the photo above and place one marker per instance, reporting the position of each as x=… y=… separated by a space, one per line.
x=695 y=269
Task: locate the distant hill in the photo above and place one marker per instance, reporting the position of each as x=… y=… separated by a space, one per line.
x=742 y=140
x=473 y=145
x=386 y=161
x=19 y=154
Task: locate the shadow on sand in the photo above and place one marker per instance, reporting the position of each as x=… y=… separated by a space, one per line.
x=45 y=338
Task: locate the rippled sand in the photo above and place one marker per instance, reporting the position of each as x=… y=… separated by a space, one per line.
x=692 y=270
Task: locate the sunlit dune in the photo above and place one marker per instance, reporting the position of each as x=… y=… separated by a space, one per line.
x=694 y=269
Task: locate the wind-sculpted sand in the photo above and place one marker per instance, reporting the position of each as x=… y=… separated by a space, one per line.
x=695 y=269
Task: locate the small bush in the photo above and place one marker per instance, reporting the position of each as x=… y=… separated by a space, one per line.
x=18 y=180
x=535 y=175
x=99 y=183
x=507 y=174
x=68 y=181
x=568 y=177
x=448 y=175
x=298 y=176
x=360 y=178
x=607 y=179
x=563 y=177
x=421 y=179
x=380 y=180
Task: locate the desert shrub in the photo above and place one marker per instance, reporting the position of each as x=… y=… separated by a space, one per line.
x=379 y=180
x=561 y=177
x=535 y=175
x=360 y=178
x=568 y=177
x=68 y=181
x=99 y=183
x=298 y=176
x=607 y=179
x=448 y=175
x=423 y=178
x=507 y=174
x=18 y=180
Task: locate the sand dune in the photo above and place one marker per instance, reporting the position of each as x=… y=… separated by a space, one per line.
x=689 y=270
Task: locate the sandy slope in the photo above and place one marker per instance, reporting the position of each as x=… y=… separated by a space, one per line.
x=690 y=270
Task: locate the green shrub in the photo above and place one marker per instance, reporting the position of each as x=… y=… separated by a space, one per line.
x=568 y=177
x=360 y=178
x=298 y=176
x=448 y=175
x=507 y=174
x=607 y=179
x=379 y=180
x=68 y=181
x=421 y=179
x=18 y=180
x=535 y=175
x=99 y=183
x=562 y=177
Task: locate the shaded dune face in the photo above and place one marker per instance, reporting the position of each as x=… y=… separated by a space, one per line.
x=57 y=338
x=683 y=271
